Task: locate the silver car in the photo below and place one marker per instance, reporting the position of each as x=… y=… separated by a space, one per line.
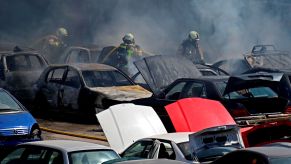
x=58 y=152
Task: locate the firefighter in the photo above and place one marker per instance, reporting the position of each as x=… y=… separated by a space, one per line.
x=190 y=48
x=127 y=53
x=52 y=46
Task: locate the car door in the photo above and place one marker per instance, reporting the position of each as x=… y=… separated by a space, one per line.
x=70 y=89
x=145 y=148
x=52 y=89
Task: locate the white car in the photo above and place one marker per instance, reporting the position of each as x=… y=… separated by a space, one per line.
x=59 y=152
x=137 y=131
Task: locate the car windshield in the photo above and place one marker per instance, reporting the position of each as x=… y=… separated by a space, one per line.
x=7 y=103
x=105 y=79
x=92 y=156
x=256 y=92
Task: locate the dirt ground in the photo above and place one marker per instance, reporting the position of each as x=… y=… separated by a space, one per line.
x=68 y=127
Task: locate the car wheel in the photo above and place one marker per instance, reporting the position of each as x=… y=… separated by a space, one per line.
x=35 y=134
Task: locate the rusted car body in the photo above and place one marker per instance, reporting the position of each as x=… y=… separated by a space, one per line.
x=19 y=71
x=85 y=88
x=78 y=54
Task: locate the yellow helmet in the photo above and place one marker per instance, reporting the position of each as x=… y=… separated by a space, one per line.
x=193 y=35
x=62 y=32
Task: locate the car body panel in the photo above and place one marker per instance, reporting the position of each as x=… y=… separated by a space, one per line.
x=126 y=123
x=161 y=70
x=252 y=80
x=189 y=115
x=123 y=93
x=219 y=136
x=8 y=120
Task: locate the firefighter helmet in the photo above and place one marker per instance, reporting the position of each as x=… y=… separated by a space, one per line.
x=62 y=32
x=193 y=35
x=128 y=38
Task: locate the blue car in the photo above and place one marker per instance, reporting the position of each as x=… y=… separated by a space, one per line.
x=17 y=125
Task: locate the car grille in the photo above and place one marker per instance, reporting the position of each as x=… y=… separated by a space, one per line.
x=13 y=132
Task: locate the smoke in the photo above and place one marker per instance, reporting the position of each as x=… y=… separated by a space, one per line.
x=227 y=28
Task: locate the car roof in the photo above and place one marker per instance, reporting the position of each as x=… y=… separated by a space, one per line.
x=175 y=137
x=67 y=145
x=273 y=150
x=87 y=66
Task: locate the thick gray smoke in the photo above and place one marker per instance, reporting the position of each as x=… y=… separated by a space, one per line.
x=227 y=28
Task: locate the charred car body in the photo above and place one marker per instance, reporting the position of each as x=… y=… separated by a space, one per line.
x=262 y=56
x=84 y=88
x=19 y=71
x=76 y=54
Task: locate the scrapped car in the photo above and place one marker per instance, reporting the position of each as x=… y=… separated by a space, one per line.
x=84 y=88
x=266 y=93
x=77 y=54
x=255 y=130
x=19 y=71
x=261 y=56
x=17 y=125
x=144 y=135
x=59 y=152
x=276 y=153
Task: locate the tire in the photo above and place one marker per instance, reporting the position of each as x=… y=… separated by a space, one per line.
x=35 y=133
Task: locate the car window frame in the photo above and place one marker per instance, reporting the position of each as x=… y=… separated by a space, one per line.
x=47 y=79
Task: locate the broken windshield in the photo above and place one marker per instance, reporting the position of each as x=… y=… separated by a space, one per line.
x=105 y=78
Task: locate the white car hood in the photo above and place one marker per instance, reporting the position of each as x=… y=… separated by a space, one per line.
x=123 y=124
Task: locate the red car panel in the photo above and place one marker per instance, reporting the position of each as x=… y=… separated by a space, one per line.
x=195 y=114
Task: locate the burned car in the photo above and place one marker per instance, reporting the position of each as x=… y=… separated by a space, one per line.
x=77 y=54
x=261 y=56
x=19 y=71
x=84 y=88
x=144 y=135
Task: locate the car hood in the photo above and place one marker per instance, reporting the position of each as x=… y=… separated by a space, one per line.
x=161 y=70
x=123 y=93
x=15 y=120
x=189 y=115
x=236 y=83
x=125 y=123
